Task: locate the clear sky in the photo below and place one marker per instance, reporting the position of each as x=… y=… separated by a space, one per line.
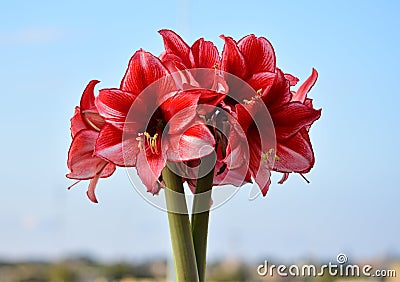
x=49 y=50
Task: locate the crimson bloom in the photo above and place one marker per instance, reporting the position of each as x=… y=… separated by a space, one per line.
x=296 y=153
x=158 y=115
x=292 y=114
x=148 y=126
x=188 y=66
x=179 y=56
x=85 y=127
x=252 y=60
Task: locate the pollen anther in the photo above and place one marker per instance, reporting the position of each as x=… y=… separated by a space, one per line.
x=151 y=142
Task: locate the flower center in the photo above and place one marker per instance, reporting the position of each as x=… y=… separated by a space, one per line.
x=269 y=156
x=254 y=98
x=151 y=142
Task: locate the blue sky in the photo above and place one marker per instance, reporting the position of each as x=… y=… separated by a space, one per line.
x=50 y=50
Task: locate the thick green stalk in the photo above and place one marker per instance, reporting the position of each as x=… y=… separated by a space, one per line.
x=200 y=213
x=179 y=226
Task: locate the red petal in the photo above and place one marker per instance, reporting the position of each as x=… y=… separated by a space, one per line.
x=279 y=93
x=196 y=142
x=143 y=70
x=114 y=105
x=261 y=80
x=88 y=108
x=87 y=100
x=258 y=54
x=237 y=151
x=262 y=184
x=233 y=61
x=285 y=176
x=205 y=54
x=292 y=117
x=295 y=154
x=174 y=44
x=309 y=103
x=216 y=88
x=81 y=161
x=113 y=146
x=92 y=187
x=93 y=119
x=244 y=116
x=179 y=72
x=292 y=79
x=303 y=90
x=106 y=170
x=210 y=97
x=260 y=169
x=172 y=62
x=180 y=110
x=149 y=167
x=77 y=123
x=236 y=177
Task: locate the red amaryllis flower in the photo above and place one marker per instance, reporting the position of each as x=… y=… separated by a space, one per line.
x=296 y=153
x=139 y=117
x=85 y=127
x=253 y=60
x=292 y=114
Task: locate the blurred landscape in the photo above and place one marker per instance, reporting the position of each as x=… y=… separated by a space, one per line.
x=82 y=269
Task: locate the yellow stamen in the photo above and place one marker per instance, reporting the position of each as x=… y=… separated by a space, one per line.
x=139 y=139
x=152 y=142
x=85 y=114
x=267 y=155
x=259 y=91
x=252 y=100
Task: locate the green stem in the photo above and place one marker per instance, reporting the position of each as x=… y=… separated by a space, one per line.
x=200 y=214
x=179 y=226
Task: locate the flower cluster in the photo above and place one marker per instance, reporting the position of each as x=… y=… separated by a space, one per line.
x=190 y=102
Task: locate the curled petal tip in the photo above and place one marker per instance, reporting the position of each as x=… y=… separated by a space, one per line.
x=92 y=186
x=164 y=30
x=227 y=38
x=285 y=176
x=92 y=198
x=264 y=191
